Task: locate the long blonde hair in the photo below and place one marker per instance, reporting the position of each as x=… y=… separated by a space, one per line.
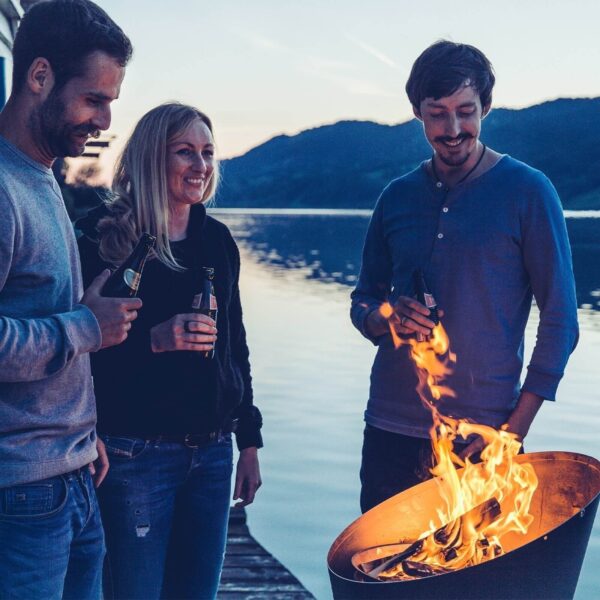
x=140 y=191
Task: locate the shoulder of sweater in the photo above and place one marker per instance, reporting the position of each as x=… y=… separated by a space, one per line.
x=216 y=227
x=517 y=173
x=403 y=184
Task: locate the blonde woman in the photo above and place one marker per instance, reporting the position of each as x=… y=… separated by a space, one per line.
x=166 y=412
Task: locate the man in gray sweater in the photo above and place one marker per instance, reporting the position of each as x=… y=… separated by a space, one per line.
x=69 y=62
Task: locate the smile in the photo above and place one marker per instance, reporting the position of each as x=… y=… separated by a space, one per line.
x=195 y=181
x=454 y=143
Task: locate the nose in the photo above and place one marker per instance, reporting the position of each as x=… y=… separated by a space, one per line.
x=200 y=163
x=102 y=118
x=452 y=126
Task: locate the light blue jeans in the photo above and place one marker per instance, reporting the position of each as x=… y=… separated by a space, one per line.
x=51 y=539
x=165 y=509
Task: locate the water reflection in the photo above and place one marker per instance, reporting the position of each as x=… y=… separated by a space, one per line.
x=327 y=247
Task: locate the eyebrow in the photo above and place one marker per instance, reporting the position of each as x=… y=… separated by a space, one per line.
x=101 y=97
x=184 y=143
x=463 y=105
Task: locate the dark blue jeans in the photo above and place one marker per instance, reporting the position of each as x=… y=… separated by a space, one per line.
x=165 y=508
x=51 y=539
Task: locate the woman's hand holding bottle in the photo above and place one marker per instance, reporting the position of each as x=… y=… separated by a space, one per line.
x=189 y=331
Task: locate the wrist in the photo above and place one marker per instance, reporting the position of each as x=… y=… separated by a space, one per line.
x=375 y=324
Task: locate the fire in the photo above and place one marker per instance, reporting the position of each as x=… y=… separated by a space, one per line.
x=484 y=501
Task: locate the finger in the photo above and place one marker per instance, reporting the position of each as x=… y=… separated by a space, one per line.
x=131 y=304
x=419 y=319
x=103 y=466
x=199 y=317
x=404 y=302
x=198 y=338
x=181 y=345
x=237 y=489
x=199 y=327
x=92 y=469
x=412 y=325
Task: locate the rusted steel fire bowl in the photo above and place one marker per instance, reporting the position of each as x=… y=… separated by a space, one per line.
x=544 y=563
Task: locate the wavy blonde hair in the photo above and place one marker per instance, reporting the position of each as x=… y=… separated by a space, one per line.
x=140 y=190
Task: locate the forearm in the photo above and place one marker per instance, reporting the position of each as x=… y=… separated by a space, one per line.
x=524 y=413
x=33 y=349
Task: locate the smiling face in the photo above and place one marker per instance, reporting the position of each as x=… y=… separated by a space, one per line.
x=452 y=126
x=81 y=108
x=190 y=165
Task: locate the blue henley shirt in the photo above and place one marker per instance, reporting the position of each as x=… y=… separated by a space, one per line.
x=487 y=246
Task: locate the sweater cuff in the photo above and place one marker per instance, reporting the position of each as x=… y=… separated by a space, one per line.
x=542 y=384
x=248 y=438
x=83 y=329
x=362 y=323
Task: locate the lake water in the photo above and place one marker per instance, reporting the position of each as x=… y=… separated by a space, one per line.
x=311 y=374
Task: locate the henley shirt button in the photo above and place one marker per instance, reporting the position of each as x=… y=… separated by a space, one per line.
x=445 y=209
x=440 y=236
x=439 y=184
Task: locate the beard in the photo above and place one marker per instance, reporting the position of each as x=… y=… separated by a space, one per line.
x=458 y=159
x=52 y=127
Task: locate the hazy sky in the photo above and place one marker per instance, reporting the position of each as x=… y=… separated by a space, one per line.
x=264 y=67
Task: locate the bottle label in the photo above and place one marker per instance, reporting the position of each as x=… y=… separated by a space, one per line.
x=132 y=278
x=429 y=300
x=197 y=302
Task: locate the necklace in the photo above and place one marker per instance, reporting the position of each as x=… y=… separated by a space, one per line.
x=439 y=183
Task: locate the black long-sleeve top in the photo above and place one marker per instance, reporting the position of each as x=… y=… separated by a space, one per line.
x=146 y=394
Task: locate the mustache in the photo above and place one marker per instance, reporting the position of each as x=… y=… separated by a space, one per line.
x=87 y=130
x=447 y=138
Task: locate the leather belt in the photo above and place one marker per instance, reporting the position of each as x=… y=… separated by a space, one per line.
x=195 y=440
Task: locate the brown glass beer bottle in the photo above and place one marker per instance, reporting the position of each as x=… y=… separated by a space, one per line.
x=206 y=302
x=424 y=296
x=125 y=281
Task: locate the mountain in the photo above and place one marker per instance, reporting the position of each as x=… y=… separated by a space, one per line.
x=347 y=164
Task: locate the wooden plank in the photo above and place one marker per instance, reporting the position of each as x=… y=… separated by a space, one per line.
x=262 y=587
x=270 y=595
x=250 y=572
x=278 y=574
x=251 y=560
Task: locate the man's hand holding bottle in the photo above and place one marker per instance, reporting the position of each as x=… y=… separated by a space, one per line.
x=114 y=315
x=409 y=317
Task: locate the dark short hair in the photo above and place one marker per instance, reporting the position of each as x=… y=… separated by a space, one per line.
x=66 y=32
x=444 y=67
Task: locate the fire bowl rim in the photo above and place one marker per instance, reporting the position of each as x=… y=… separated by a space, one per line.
x=532 y=457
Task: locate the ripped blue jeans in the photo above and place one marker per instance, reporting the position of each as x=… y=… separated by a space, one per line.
x=165 y=509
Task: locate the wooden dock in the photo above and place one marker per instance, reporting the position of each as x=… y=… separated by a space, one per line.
x=250 y=572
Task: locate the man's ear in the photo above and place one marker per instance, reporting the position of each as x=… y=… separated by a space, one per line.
x=40 y=76
x=486 y=110
x=417 y=112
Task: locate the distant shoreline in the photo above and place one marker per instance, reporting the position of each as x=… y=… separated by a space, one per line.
x=354 y=212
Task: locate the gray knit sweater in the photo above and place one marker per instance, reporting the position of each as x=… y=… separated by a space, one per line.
x=47 y=410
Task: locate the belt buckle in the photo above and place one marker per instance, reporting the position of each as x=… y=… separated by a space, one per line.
x=187 y=442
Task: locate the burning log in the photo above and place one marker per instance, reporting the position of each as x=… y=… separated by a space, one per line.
x=445 y=540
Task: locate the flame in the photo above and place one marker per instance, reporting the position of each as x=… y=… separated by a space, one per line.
x=465 y=539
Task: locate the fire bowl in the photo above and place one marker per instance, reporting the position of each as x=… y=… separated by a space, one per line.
x=543 y=563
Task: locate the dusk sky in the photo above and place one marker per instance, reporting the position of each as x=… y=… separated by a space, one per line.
x=266 y=67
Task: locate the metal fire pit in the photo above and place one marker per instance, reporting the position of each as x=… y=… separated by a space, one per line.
x=544 y=563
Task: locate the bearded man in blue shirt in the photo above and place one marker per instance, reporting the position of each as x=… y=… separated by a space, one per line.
x=489 y=234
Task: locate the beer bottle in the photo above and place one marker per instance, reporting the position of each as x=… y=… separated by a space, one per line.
x=424 y=296
x=205 y=302
x=125 y=281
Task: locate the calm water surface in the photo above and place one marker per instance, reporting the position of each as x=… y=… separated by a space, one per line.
x=311 y=374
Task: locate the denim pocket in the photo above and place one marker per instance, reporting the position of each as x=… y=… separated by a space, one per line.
x=34 y=500
x=122 y=447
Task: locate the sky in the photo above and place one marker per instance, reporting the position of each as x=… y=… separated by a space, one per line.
x=260 y=68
